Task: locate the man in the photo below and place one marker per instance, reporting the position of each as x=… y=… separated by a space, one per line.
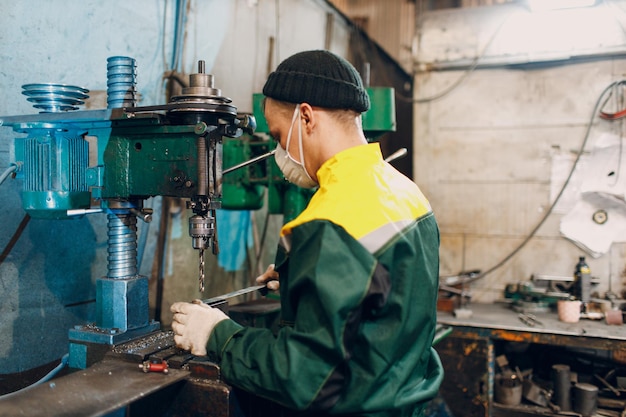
x=358 y=267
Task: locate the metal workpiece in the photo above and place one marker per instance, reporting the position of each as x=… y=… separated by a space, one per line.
x=562 y=385
x=214 y=301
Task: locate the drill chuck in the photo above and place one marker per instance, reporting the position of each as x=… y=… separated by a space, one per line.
x=201 y=230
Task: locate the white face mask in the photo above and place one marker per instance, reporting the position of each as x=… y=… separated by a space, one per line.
x=294 y=171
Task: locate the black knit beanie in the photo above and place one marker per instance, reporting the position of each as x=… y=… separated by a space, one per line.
x=319 y=78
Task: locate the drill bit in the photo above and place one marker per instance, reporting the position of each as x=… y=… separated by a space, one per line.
x=201 y=272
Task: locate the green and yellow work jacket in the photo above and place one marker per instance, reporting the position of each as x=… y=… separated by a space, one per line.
x=358 y=281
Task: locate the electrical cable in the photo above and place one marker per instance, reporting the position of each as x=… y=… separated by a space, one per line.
x=16 y=236
x=469 y=71
x=45 y=378
x=181 y=6
x=165 y=64
x=619 y=104
x=180 y=17
x=171 y=70
x=11 y=169
x=597 y=107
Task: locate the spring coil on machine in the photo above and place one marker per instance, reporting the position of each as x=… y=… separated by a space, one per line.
x=122 y=244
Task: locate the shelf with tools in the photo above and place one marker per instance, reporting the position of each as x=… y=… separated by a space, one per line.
x=494 y=341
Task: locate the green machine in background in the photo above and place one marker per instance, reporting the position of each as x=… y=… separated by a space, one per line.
x=243 y=189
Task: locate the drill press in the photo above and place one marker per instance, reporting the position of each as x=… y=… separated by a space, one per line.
x=110 y=161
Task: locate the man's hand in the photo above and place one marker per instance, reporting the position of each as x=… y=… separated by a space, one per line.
x=193 y=324
x=270 y=278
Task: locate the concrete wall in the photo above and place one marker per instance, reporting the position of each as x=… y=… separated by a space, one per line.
x=498 y=103
x=375 y=17
x=46 y=283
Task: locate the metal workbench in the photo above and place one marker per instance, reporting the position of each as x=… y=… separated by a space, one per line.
x=468 y=353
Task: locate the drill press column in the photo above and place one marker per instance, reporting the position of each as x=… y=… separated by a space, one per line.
x=122 y=296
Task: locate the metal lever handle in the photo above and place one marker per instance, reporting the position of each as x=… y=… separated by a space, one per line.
x=143 y=214
x=249 y=162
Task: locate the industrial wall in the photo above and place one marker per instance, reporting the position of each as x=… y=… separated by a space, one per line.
x=47 y=277
x=504 y=100
x=374 y=17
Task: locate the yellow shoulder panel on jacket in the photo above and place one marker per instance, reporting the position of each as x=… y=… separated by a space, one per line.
x=361 y=193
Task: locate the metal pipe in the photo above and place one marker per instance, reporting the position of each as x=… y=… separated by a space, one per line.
x=45 y=378
x=561 y=380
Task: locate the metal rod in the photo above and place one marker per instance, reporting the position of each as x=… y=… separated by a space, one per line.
x=224 y=297
x=366 y=74
x=397 y=154
x=249 y=162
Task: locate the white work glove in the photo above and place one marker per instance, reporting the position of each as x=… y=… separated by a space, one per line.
x=270 y=278
x=193 y=323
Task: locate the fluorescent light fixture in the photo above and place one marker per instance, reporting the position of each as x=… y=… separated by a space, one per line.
x=558 y=4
